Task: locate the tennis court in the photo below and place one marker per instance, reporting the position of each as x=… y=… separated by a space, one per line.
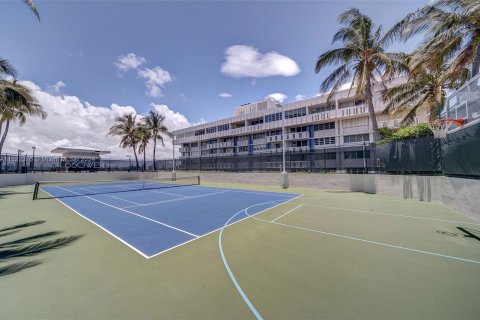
x=241 y=252
x=154 y=216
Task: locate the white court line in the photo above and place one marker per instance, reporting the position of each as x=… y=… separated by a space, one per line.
x=173 y=200
x=244 y=191
x=104 y=229
x=389 y=214
x=287 y=212
x=410 y=200
x=206 y=234
x=371 y=242
x=168 y=193
x=108 y=195
x=130 y=212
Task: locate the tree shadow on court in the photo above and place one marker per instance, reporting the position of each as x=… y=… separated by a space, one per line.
x=28 y=246
x=7 y=192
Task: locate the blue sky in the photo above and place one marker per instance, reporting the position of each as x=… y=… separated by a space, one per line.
x=178 y=57
x=78 y=42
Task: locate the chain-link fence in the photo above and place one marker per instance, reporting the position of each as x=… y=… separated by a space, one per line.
x=456 y=155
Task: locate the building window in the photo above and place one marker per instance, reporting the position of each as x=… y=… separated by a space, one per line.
x=295 y=113
x=301 y=143
x=274 y=133
x=243 y=149
x=323 y=109
x=273 y=117
x=298 y=129
x=223 y=127
x=200 y=132
x=211 y=130
x=324 y=141
x=258 y=136
x=255 y=122
x=324 y=126
x=356 y=138
x=356 y=154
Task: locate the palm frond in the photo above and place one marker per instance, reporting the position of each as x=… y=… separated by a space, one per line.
x=32 y=7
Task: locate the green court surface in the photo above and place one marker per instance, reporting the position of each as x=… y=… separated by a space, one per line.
x=324 y=255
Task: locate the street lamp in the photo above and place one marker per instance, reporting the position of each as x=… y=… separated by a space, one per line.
x=285 y=183
x=18 y=159
x=33 y=158
x=174 y=174
x=129 y=162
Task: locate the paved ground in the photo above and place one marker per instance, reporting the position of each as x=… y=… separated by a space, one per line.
x=325 y=255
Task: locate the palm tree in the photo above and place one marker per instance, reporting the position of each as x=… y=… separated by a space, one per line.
x=144 y=136
x=6 y=69
x=154 y=121
x=125 y=127
x=425 y=88
x=17 y=105
x=362 y=60
x=32 y=6
x=453 y=33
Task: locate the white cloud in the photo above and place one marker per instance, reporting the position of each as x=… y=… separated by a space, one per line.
x=129 y=61
x=300 y=97
x=156 y=78
x=72 y=122
x=58 y=86
x=246 y=61
x=280 y=97
x=225 y=95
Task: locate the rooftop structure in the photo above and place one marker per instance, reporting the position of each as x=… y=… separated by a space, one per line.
x=79 y=152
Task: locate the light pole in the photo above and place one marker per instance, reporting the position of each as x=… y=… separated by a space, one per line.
x=33 y=158
x=18 y=159
x=285 y=182
x=129 y=162
x=174 y=174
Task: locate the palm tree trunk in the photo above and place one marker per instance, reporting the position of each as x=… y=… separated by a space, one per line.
x=4 y=136
x=136 y=158
x=476 y=62
x=370 y=107
x=154 y=149
x=144 y=159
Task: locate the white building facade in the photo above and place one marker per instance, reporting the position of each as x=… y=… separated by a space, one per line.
x=313 y=125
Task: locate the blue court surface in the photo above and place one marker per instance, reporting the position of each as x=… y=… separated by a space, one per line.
x=152 y=221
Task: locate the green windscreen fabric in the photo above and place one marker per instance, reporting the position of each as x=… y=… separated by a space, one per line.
x=421 y=155
x=461 y=152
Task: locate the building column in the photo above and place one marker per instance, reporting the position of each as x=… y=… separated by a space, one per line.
x=311 y=133
x=250 y=144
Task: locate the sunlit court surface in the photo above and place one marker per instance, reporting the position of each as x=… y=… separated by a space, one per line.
x=224 y=251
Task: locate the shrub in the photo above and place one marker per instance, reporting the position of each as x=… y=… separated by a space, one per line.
x=405 y=133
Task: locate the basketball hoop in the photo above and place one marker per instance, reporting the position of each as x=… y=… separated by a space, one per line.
x=440 y=127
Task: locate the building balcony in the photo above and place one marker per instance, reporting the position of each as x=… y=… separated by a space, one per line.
x=352 y=111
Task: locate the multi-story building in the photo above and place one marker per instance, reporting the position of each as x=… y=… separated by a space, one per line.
x=310 y=125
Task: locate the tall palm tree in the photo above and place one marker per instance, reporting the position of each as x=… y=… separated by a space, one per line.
x=125 y=127
x=154 y=121
x=32 y=7
x=144 y=136
x=425 y=88
x=452 y=32
x=362 y=60
x=17 y=105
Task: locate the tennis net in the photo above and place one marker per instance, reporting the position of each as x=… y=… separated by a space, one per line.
x=63 y=189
